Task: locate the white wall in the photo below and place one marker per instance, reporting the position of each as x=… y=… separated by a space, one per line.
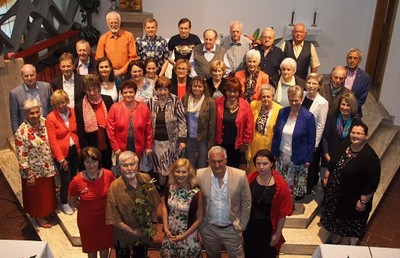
x=391 y=81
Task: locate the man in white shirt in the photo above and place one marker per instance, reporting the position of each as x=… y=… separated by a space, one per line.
x=84 y=63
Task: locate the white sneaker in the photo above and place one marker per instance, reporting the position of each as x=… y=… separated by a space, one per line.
x=67 y=209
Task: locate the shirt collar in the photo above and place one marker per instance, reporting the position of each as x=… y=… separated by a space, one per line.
x=71 y=80
x=27 y=88
x=211 y=51
x=80 y=64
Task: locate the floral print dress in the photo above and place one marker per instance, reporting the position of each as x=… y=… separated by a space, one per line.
x=179 y=200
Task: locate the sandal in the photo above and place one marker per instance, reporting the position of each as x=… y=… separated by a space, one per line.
x=43 y=223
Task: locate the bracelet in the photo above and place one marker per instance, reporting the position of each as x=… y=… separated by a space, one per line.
x=363 y=202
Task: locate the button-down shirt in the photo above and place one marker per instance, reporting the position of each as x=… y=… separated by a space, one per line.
x=314 y=61
x=218 y=208
x=156 y=47
x=351 y=76
x=33 y=93
x=236 y=51
x=83 y=68
x=69 y=88
x=208 y=55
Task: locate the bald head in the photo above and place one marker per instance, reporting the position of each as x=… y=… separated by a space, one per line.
x=28 y=74
x=236 y=30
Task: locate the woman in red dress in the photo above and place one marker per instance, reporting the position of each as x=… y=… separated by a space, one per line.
x=88 y=193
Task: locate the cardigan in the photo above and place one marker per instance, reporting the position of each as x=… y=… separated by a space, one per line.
x=118 y=125
x=281 y=203
x=263 y=78
x=303 y=138
x=243 y=122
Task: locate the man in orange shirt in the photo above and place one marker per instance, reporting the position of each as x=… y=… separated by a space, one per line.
x=117 y=44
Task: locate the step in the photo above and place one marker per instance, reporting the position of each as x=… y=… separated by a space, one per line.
x=382 y=137
x=373 y=114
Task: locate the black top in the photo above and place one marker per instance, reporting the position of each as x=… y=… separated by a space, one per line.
x=161 y=133
x=182 y=48
x=307 y=103
x=229 y=130
x=261 y=203
x=270 y=64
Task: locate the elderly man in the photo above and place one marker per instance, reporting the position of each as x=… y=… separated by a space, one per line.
x=302 y=51
x=69 y=81
x=117 y=44
x=30 y=88
x=132 y=203
x=271 y=56
x=151 y=45
x=203 y=55
x=236 y=46
x=357 y=80
x=334 y=90
x=227 y=204
x=84 y=63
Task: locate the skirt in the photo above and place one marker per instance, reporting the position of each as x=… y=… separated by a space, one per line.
x=39 y=200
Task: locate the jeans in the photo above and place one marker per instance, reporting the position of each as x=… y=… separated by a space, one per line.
x=196 y=152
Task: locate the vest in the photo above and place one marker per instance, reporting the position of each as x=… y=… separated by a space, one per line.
x=203 y=67
x=303 y=60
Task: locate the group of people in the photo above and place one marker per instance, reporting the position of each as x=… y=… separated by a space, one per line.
x=227 y=108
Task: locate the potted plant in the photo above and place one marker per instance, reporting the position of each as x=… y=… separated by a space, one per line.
x=89 y=32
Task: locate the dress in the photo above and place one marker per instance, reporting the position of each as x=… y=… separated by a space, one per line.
x=179 y=203
x=95 y=234
x=352 y=174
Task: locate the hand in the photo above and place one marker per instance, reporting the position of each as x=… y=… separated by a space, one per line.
x=177 y=238
x=117 y=153
x=168 y=233
x=182 y=146
x=359 y=206
x=117 y=73
x=137 y=233
x=64 y=165
x=325 y=181
x=31 y=181
x=148 y=152
x=274 y=239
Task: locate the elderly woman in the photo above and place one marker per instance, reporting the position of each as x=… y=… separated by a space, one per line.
x=182 y=212
x=265 y=112
x=337 y=127
x=285 y=80
x=217 y=82
x=36 y=165
x=169 y=128
x=151 y=68
x=234 y=126
x=129 y=124
x=200 y=118
x=88 y=193
x=145 y=86
x=91 y=118
x=64 y=142
x=252 y=77
x=181 y=83
x=318 y=106
x=294 y=142
x=351 y=179
x=109 y=83
x=271 y=204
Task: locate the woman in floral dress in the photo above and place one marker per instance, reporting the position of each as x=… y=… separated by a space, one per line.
x=36 y=165
x=182 y=212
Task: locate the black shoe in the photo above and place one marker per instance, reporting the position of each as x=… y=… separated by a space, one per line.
x=298 y=198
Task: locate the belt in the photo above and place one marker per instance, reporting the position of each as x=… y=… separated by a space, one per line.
x=222 y=227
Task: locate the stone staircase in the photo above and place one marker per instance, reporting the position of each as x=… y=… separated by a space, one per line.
x=302 y=230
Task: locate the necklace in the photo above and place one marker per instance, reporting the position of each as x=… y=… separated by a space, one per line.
x=258 y=202
x=232 y=108
x=90 y=178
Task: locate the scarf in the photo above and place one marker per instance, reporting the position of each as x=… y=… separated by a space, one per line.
x=89 y=115
x=279 y=87
x=250 y=84
x=192 y=107
x=343 y=127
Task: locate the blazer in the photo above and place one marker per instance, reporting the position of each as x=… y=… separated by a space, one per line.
x=303 y=139
x=91 y=66
x=319 y=108
x=59 y=134
x=57 y=84
x=89 y=139
x=18 y=95
x=263 y=78
x=239 y=195
x=360 y=88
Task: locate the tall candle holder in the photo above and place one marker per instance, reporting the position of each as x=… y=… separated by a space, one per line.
x=314 y=24
x=292 y=20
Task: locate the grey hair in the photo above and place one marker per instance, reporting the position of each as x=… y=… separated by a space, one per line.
x=113 y=13
x=289 y=61
x=30 y=103
x=127 y=155
x=238 y=23
x=252 y=53
x=217 y=149
x=266 y=87
x=355 y=50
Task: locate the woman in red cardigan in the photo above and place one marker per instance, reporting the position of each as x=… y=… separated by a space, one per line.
x=129 y=125
x=64 y=143
x=234 y=128
x=271 y=203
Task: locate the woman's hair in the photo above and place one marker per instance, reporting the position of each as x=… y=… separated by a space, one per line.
x=316 y=76
x=128 y=84
x=183 y=61
x=266 y=87
x=30 y=103
x=252 y=53
x=294 y=91
x=182 y=162
x=264 y=153
x=111 y=78
x=233 y=83
x=90 y=152
x=360 y=124
x=199 y=80
x=350 y=99
x=218 y=64
x=59 y=95
x=139 y=63
x=162 y=82
x=124 y=156
x=91 y=80
x=288 y=61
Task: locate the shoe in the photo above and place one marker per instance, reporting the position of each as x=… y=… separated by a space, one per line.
x=298 y=198
x=67 y=209
x=43 y=223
